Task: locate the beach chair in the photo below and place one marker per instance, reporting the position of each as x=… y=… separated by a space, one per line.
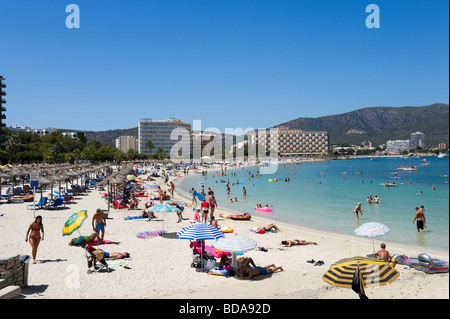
x=42 y=202
x=95 y=256
x=69 y=199
x=58 y=202
x=117 y=205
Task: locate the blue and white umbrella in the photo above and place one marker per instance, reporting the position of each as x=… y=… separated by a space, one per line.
x=234 y=244
x=200 y=232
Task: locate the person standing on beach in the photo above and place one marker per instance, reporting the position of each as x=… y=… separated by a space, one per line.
x=421 y=222
x=35 y=236
x=172 y=188
x=194 y=200
x=205 y=210
x=99 y=226
x=212 y=204
x=357 y=210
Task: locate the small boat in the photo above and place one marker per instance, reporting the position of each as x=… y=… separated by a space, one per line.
x=424 y=263
x=264 y=209
x=443 y=155
x=389 y=184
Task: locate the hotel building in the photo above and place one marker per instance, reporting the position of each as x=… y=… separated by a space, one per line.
x=159 y=133
x=295 y=142
x=417 y=140
x=124 y=143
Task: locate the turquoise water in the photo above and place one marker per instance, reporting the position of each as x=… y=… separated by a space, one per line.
x=318 y=197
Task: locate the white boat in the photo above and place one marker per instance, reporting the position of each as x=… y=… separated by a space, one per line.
x=442 y=155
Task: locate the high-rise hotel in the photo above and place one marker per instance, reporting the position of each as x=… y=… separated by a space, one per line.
x=159 y=133
x=294 y=142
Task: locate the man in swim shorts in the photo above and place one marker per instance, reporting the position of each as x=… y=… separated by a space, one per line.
x=250 y=272
x=100 y=223
x=420 y=216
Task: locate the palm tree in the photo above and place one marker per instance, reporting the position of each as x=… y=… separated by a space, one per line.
x=150 y=146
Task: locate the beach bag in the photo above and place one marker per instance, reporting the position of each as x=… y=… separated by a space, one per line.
x=99 y=254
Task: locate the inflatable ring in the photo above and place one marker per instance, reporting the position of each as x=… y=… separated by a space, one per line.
x=245 y=216
x=226 y=230
x=219 y=271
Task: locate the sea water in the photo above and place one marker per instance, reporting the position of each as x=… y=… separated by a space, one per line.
x=323 y=195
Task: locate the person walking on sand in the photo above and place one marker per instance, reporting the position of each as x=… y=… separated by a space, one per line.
x=421 y=221
x=99 y=226
x=357 y=210
x=34 y=230
x=172 y=188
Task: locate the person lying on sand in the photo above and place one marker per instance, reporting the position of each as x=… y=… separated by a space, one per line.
x=116 y=255
x=295 y=242
x=82 y=240
x=250 y=272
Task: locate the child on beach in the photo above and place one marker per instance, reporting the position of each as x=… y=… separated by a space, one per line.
x=357 y=210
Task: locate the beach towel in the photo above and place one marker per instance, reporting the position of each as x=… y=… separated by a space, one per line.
x=105 y=241
x=117 y=263
x=262 y=231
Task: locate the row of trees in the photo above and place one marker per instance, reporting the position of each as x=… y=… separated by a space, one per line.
x=28 y=147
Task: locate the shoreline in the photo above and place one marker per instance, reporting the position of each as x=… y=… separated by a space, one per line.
x=159 y=266
x=434 y=251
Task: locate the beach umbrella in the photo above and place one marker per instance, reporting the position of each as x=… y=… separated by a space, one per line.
x=163 y=208
x=74 y=222
x=235 y=243
x=372 y=229
x=200 y=232
x=359 y=273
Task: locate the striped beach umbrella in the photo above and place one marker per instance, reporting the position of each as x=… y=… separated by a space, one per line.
x=200 y=232
x=372 y=272
x=234 y=244
x=74 y=222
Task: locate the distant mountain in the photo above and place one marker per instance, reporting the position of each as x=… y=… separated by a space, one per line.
x=379 y=124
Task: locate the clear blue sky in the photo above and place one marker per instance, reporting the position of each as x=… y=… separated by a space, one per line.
x=229 y=63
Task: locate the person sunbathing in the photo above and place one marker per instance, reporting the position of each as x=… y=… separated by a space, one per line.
x=262 y=230
x=250 y=272
x=116 y=255
x=82 y=240
x=290 y=243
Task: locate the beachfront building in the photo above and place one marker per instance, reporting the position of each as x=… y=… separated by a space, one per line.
x=295 y=142
x=42 y=132
x=417 y=139
x=158 y=132
x=124 y=143
x=397 y=147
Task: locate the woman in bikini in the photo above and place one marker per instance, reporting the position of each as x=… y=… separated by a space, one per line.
x=35 y=236
x=290 y=243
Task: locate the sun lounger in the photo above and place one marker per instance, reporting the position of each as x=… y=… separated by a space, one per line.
x=58 y=202
x=42 y=202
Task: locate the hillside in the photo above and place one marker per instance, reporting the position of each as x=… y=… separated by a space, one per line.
x=379 y=124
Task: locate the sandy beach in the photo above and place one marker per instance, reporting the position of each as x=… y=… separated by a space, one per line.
x=159 y=267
